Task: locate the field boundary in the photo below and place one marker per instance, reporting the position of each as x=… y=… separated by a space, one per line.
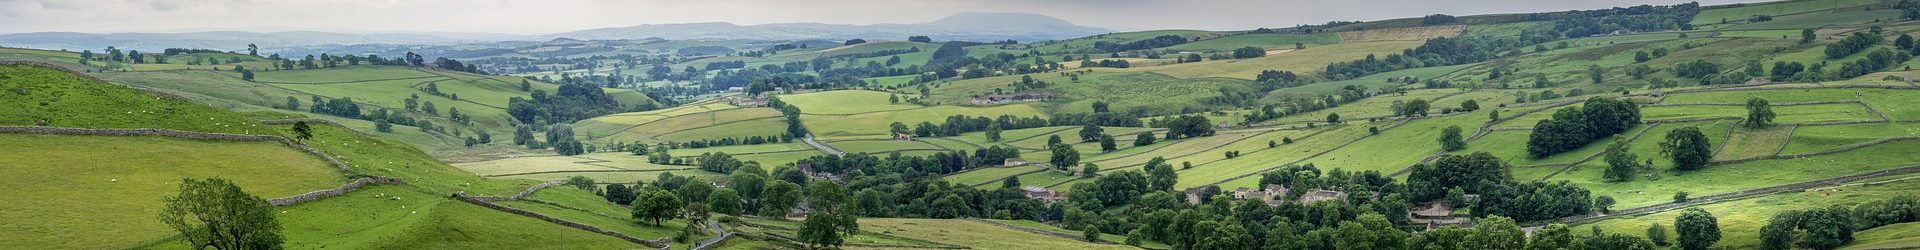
x=1309 y=135
x=1737 y=195
x=589 y=171
x=1042 y=232
x=356 y=81
x=1310 y=157
x=1820 y=153
x=342 y=190
x=487 y=202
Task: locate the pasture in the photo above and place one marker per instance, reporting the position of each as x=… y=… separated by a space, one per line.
x=973 y=234
x=111 y=187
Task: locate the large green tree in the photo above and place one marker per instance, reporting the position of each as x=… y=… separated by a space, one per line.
x=656 y=205
x=1065 y=157
x=1697 y=229
x=1759 y=113
x=1451 y=140
x=726 y=201
x=1688 y=148
x=216 y=213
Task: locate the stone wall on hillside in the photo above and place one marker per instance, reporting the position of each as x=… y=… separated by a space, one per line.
x=342 y=190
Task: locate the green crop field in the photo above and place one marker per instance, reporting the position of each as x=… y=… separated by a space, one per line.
x=1782 y=8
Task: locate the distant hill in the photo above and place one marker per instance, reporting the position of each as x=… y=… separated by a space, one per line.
x=233 y=40
x=968 y=26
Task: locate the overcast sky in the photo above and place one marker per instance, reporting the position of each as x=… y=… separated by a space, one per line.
x=551 y=16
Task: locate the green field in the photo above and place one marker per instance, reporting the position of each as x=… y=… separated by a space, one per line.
x=972 y=234
x=1808 y=139
x=1740 y=220
x=843 y=102
x=875 y=123
x=111 y=186
x=1263 y=41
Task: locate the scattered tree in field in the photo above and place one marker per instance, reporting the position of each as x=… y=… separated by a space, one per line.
x=1248 y=52
x=1090 y=132
x=1107 y=143
x=1759 y=113
x=824 y=230
x=1054 y=141
x=1807 y=36
x=1697 y=229
x=302 y=131
x=1679 y=197
x=656 y=205
x=1333 y=118
x=1091 y=233
x=1064 y=156
x=1603 y=203
x=1143 y=139
x=1620 y=164
x=1574 y=127
x=993 y=132
x=1657 y=233
x=1451 y=140
x=216 y=213
x=1688 y=148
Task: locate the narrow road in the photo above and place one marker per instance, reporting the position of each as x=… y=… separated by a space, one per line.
x=718 y=235
x=822 y=146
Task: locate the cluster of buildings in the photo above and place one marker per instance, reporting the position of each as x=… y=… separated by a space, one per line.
x=1273 y=194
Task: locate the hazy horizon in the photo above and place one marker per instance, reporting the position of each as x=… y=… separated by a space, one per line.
x=546 y=17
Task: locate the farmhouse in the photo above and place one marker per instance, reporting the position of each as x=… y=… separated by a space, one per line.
x=1014 y=162
x=1322 y=195
x=1012 y=98
x=808 y=169
x=1246 y=193
x=1043 y=194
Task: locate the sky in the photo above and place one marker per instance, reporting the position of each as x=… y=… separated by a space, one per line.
x=553 y=16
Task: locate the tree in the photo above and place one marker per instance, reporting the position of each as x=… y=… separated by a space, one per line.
x=1603 y=203
x=1143 y=139
x=619 y=194
x=1416 y=107
x=1248 y=52
x=302 y=131
x=826 y=196
x=1053 y=141
x=1597 y=74
x=1090 y=132
x=253 y=50
x=1091 y=233
x=1688 y=148
x=1100 y=107
x=1333 y=118
x=822 y=231
x=1451 y=140
x=655 y=204
x=1697 y=229
x=1107 y=144
x=1064 y=156
x=1087 y=169
x=1620 y=164
x=1759 y=113
x=993 y=132
x=1497 y=232
x=581 y=182
x=726 y=201
x=216 y=213
x=1679 y=197
x=1657 y=233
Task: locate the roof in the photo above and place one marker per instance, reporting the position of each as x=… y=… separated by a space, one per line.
x=1035 y=189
